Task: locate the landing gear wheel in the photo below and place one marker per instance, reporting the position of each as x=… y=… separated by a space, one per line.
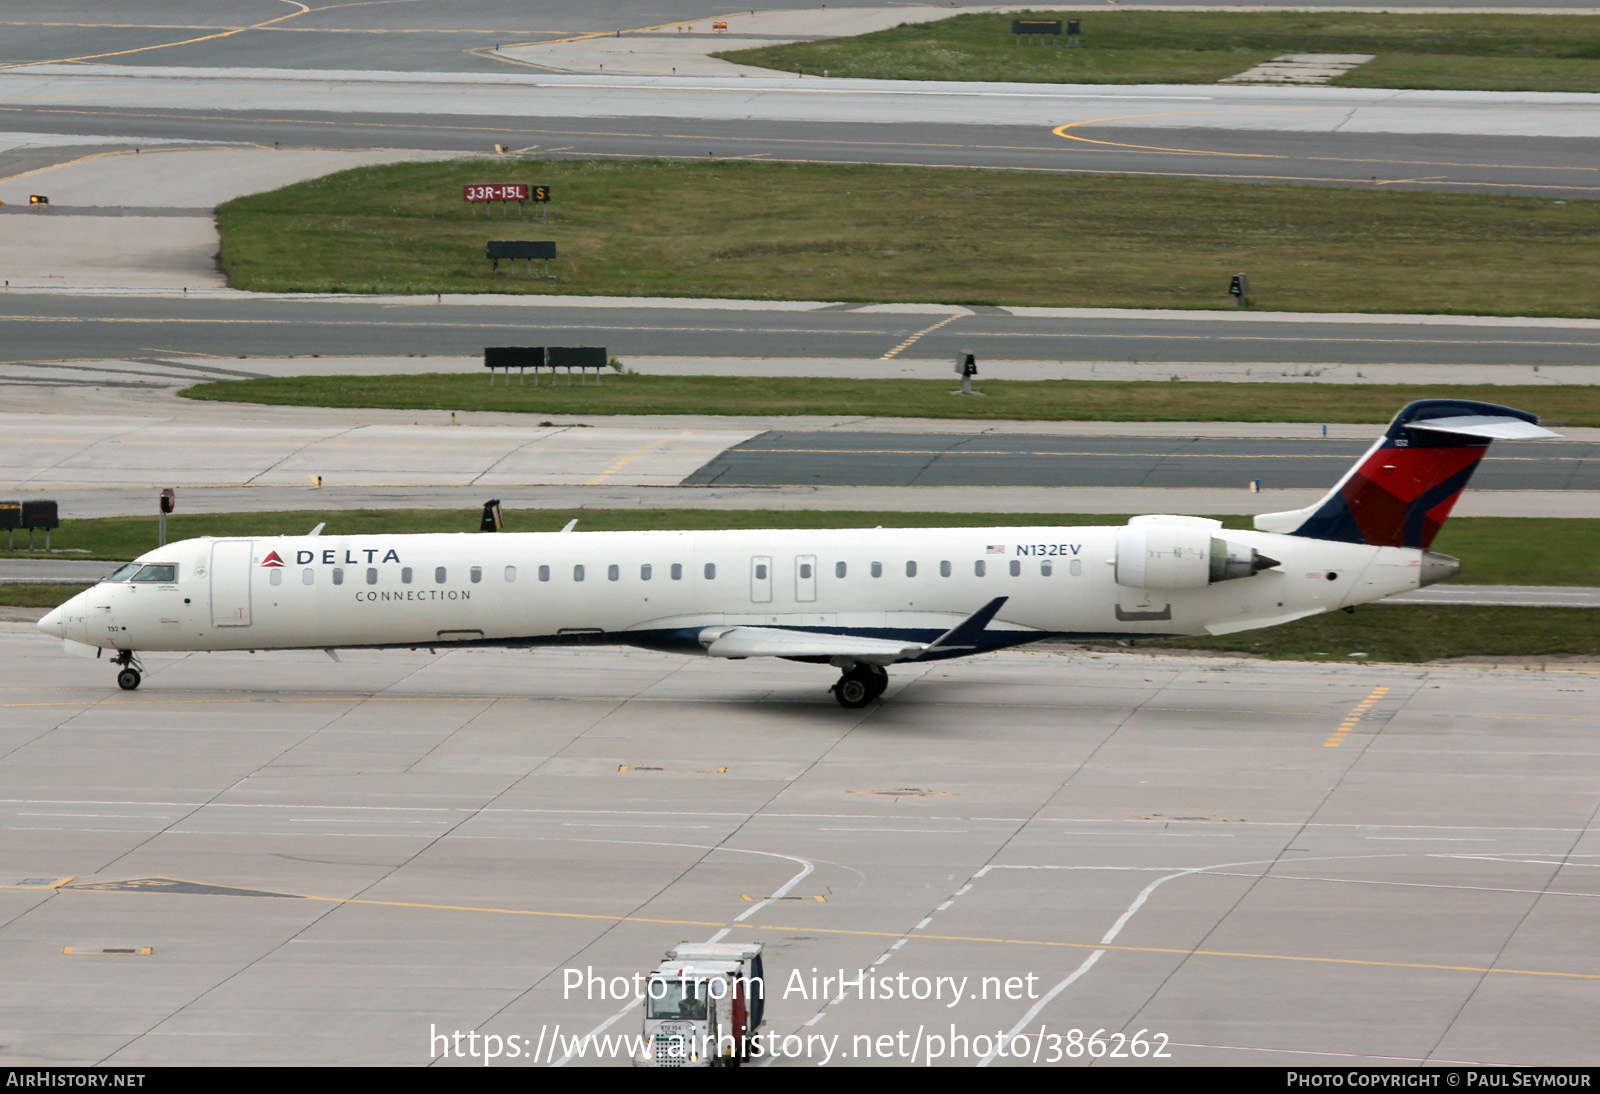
x=128 y=675
x=879 y=679
x=860 y=685
x=852 y=692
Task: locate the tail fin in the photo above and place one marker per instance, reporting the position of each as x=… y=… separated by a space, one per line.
x=1401 y=491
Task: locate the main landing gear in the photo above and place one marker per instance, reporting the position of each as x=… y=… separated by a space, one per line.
x=860 y=685
x=129 y=675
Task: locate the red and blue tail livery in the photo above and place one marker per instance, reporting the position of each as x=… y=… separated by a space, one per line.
x=1401 y=491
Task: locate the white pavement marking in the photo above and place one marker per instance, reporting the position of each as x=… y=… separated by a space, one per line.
x=806 y=868
x=1301 y=68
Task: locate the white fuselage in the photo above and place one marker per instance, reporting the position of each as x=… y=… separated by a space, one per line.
x=663 y=588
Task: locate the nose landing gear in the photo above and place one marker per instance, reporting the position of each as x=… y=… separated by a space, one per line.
x=860 y=685
x=129 y=675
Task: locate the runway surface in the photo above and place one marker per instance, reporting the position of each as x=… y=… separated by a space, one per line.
x=300 y=861
x=787 y=458
x=1539 y=165
x=44 y=327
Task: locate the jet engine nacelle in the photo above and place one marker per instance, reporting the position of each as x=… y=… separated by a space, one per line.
x=1182 y=554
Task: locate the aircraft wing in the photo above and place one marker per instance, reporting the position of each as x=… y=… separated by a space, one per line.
x=786 y=642
x=782 y=642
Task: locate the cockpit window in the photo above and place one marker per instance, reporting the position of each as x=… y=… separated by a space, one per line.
x=157 y=571
x=122 y=573
x=679 y=998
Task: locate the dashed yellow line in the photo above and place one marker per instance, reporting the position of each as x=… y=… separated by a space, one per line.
x=1354 y=717
x=913 y=339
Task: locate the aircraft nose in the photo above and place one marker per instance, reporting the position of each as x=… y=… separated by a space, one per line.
x=52 y=623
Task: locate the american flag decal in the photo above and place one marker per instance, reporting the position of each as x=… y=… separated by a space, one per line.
x=997 y=548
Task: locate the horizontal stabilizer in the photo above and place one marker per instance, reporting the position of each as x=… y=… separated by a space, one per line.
x=1495 y=426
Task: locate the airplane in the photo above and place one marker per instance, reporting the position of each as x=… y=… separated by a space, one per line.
x=859 y=600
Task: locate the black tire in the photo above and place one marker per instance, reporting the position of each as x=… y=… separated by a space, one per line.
x=128 y=679
x=853 y=691
x=879 y=679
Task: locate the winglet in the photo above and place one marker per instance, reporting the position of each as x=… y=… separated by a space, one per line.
x=964 y=635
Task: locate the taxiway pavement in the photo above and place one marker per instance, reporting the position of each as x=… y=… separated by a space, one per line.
x=276 y=858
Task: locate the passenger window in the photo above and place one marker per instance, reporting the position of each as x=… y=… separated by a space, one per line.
x=372 y=575
x=1075 y=567
x=1016 y=568
x=761 y=571
x=438 y=575
x=613 y=572
x=911 y=569
x=711 y=571
x=405 y=575
x=276 y=578
x=338 y=575
x=877 y=569
x=805 y=570
x=544 y=573
x=475 y=574
x=1045 y=568
x=577 y=572
x=944 y=568
x=644 y=572
x=511 y=574
x=980 y=567
x=308 y=576
x=838 y=569
x=677 y=571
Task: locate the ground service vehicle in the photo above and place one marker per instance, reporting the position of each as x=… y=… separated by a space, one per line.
x=702 y=1005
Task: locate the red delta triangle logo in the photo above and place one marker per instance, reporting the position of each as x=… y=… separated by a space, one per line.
x=272 y=559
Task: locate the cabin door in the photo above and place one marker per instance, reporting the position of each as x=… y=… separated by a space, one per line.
x=761 y=579
x=230 y=582
x=805 y=578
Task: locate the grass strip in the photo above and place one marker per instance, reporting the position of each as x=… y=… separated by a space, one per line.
x=1509 y=52
x=27 y=594
x=1015 y=400
x=1493 y=550
x=775 y=231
